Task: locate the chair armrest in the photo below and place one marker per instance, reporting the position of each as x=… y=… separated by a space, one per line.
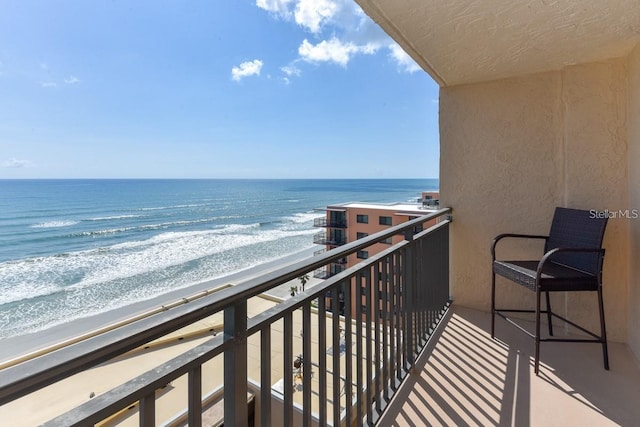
x=519 y=236
x=549 y=254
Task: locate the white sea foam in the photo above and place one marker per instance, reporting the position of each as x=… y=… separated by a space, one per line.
x=55 y=224
x=159 y=226
x=300 y=221
x=114 y=217
x=162 y=208
x=77 y=270
x=304 y=217
x=31 y=278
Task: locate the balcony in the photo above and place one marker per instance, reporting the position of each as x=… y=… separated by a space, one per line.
x=322 y=238
x=330 y=270
x=436 y=363
x=331 y=223
x=467 y=378
x=318 y=367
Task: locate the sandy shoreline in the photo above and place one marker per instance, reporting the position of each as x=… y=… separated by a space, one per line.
x=15 y=346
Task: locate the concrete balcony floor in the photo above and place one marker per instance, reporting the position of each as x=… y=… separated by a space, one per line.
x=466 y=378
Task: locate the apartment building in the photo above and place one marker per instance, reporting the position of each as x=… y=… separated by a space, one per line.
x=348 y=222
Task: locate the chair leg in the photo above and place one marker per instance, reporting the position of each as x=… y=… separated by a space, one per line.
x=549 y=313
x=603 y=330
x=537 y=337
x=493 y=302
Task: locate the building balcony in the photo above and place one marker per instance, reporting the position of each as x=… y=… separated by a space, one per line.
x=331 y=269
x=322 y=238
x=327 y=223
x=160 y=370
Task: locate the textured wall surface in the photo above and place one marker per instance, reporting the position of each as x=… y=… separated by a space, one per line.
x=450 y=39
x=634 y=200
x=595 y=126
x=500 y=162
x=512 y=150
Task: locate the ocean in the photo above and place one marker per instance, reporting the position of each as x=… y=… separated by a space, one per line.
x=75 y=248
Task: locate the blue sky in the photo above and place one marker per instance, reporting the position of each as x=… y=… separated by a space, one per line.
x=209 y=89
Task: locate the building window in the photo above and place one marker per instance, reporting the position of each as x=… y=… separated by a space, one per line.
x=362 y=219
x=385 y=220
x=360 y=235
x=363 y=254
x=387 y=241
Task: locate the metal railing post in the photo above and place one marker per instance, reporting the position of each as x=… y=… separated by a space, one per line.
x=408 y=291
x=235 y=365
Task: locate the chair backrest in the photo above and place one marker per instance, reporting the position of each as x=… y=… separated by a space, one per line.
x=573 y=228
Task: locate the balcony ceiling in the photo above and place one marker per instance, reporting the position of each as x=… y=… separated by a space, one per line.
x=467 y=41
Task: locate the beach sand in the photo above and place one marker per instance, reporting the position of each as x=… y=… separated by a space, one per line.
x=19 y=345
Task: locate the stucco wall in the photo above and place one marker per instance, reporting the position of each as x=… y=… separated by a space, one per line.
x=512 y=150
x=634 y=200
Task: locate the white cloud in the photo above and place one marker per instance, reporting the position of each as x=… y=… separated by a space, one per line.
x=291 y=70
x=311 y=14
x=249 y=68
x=314 y=14
x=71 y=80
x=49 y=84
x=341 y=30
x=333 y=50
x=278 y=7
x=17 y=164
x=405 y=62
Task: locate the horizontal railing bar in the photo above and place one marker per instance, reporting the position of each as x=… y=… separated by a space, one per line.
x=108 y=327
x=103 y=405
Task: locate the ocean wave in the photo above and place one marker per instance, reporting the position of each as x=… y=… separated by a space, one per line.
x=299 y=221
x=27 y=279
x=114 y=217
x=103 y=232
x=304 y=217
x=35 y=277
x=162 y=208
x=55 y=224
x=170 y=250
x=159 y=226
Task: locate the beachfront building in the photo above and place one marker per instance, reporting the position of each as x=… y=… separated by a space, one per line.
x=539 y=107
x=348 y=222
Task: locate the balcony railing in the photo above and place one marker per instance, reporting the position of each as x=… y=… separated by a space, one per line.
x=348 y=366
x=324 y=222
x=323 y=239
x=330 y=270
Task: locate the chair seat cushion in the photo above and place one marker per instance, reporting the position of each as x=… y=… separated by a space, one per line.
x=555 y=277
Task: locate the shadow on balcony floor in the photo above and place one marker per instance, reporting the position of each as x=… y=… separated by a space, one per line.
x=469 y=379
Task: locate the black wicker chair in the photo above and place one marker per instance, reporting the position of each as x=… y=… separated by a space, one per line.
x=572 y=262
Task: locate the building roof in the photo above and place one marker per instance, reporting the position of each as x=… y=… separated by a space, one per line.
x=467 y=41
x=398 y=208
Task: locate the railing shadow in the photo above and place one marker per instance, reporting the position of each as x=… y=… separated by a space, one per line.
x=466 y=378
